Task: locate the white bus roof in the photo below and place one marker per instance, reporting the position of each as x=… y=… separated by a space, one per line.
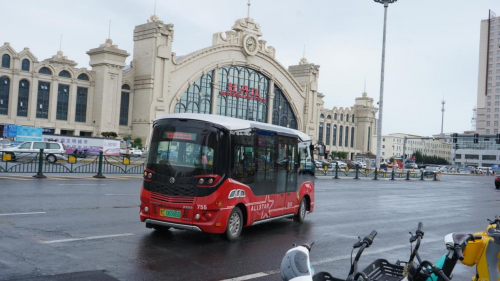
x=233 y=124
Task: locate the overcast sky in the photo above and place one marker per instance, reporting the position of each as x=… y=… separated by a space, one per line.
x=432 y=46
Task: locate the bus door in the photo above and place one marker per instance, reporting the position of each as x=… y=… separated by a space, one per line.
x=291 y=186
x=283 y=145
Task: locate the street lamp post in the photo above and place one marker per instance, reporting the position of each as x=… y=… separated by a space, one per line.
x=381 y=99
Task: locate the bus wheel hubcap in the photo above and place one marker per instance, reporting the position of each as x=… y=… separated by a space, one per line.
x=234 y=224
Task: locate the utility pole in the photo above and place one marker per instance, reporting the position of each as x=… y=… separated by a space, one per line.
x=442 y=116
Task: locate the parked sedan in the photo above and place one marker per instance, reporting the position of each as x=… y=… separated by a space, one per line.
x=431 y=170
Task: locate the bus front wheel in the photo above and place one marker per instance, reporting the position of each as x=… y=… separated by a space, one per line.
x=301 y=214
x=234 y=224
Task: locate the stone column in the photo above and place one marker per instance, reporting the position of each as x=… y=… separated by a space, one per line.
x=72 y=102
x=215 y=90
x=270 y=102
x=13 y=96
x=32 y=98
x=54 y=87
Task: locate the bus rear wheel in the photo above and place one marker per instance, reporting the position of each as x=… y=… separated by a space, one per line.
x=301 y=214
x=234 y=225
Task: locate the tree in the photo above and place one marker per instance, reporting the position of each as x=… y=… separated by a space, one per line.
x=391 y=159
x=138 y=142
x=110 y=135
x=342 y=155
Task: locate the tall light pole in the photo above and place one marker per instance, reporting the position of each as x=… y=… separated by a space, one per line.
x=442 y=116
x=381 y=99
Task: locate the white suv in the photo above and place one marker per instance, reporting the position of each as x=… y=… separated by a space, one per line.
x=52 y=150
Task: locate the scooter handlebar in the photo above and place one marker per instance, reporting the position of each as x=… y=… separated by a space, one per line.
x=458 y=251
x=369 y=239
x=420 y=229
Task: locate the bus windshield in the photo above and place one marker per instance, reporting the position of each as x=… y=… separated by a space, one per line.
x=184 y=150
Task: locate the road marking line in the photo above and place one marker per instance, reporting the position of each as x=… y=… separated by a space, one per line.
x=344 y=257
x=15 y=214
x=86 y=238
x=81 y=184
x=122 y=194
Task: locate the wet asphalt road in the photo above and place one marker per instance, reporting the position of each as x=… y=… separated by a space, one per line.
x=61 y=209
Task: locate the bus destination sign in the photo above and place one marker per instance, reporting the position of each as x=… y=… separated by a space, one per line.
x=180 y=136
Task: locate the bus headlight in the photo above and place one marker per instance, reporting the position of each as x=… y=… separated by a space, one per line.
x=197 y=216
x=146 y=209
x=201 y=181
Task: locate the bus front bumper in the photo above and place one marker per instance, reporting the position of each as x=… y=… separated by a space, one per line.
x=150 y=222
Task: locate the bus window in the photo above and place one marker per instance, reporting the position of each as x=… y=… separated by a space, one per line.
x=243 y=159
x=292 y=167
x=265 y=164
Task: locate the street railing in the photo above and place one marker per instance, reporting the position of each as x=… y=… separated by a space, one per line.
x=358 y=172
x=41 y=162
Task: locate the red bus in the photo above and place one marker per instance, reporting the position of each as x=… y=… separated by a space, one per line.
x=218 y=174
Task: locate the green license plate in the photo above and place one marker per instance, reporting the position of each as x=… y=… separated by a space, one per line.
x=170 y=213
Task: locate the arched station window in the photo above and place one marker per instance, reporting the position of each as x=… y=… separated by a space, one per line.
x=243 y=93
x=4 y=95
x=352 y=136
x=64 y=74
x=23 y=99
x=341 y=116
x=341 y=129
x=347 y=118
x=6 y=61
x=45 y=70
x=198 y=97
x=124 y=105
x=25 y=65
x=353 y=118
x=322 y=116
x=329 y=117
x=282 y=110
x=334 y=139
x=346 y=136
x=83 y=77
x=335 y=116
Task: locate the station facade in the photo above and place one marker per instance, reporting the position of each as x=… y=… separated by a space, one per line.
x=237 y=76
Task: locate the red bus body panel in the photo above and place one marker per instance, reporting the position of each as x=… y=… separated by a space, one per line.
x=214 y=209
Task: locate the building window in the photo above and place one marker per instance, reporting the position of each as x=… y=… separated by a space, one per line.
x=328 y=131
x=45 y=70
x=6 y=61
x=353 y=118
x=335 y=116
x=383 y=146
x=322 y=116
x=488 y=109
x=23 y=99
x=488 y=103
x=124 y=105
x=496 y=110
x=369 y=138
x=282 y=111
x=62 y=102
x=489 y=157
x=198 y=97
x=495 y=123
x=489 y=91
x=497 y=97
x=488 y=116
x=341 y=129
x=495 y=131
x=352 y=137
x=4 y=95
x=64 y=74
x=471 y=157
x=81 y=104
x=334 y=139
x=25 y=66
x=347 y=118
x=320 y=132
x=341 y=116
x=487 y=131
x=83 y=77
x=383 y=153
x=42 y=101
x=346 y=136
x=497 y=103
x=329 y=117
x=496 y=115
x=489 y=97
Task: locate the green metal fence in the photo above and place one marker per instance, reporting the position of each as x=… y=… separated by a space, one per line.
x=357 y=173
x=38 y=162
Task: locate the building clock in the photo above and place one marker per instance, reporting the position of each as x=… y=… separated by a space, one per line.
x=250 y=45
